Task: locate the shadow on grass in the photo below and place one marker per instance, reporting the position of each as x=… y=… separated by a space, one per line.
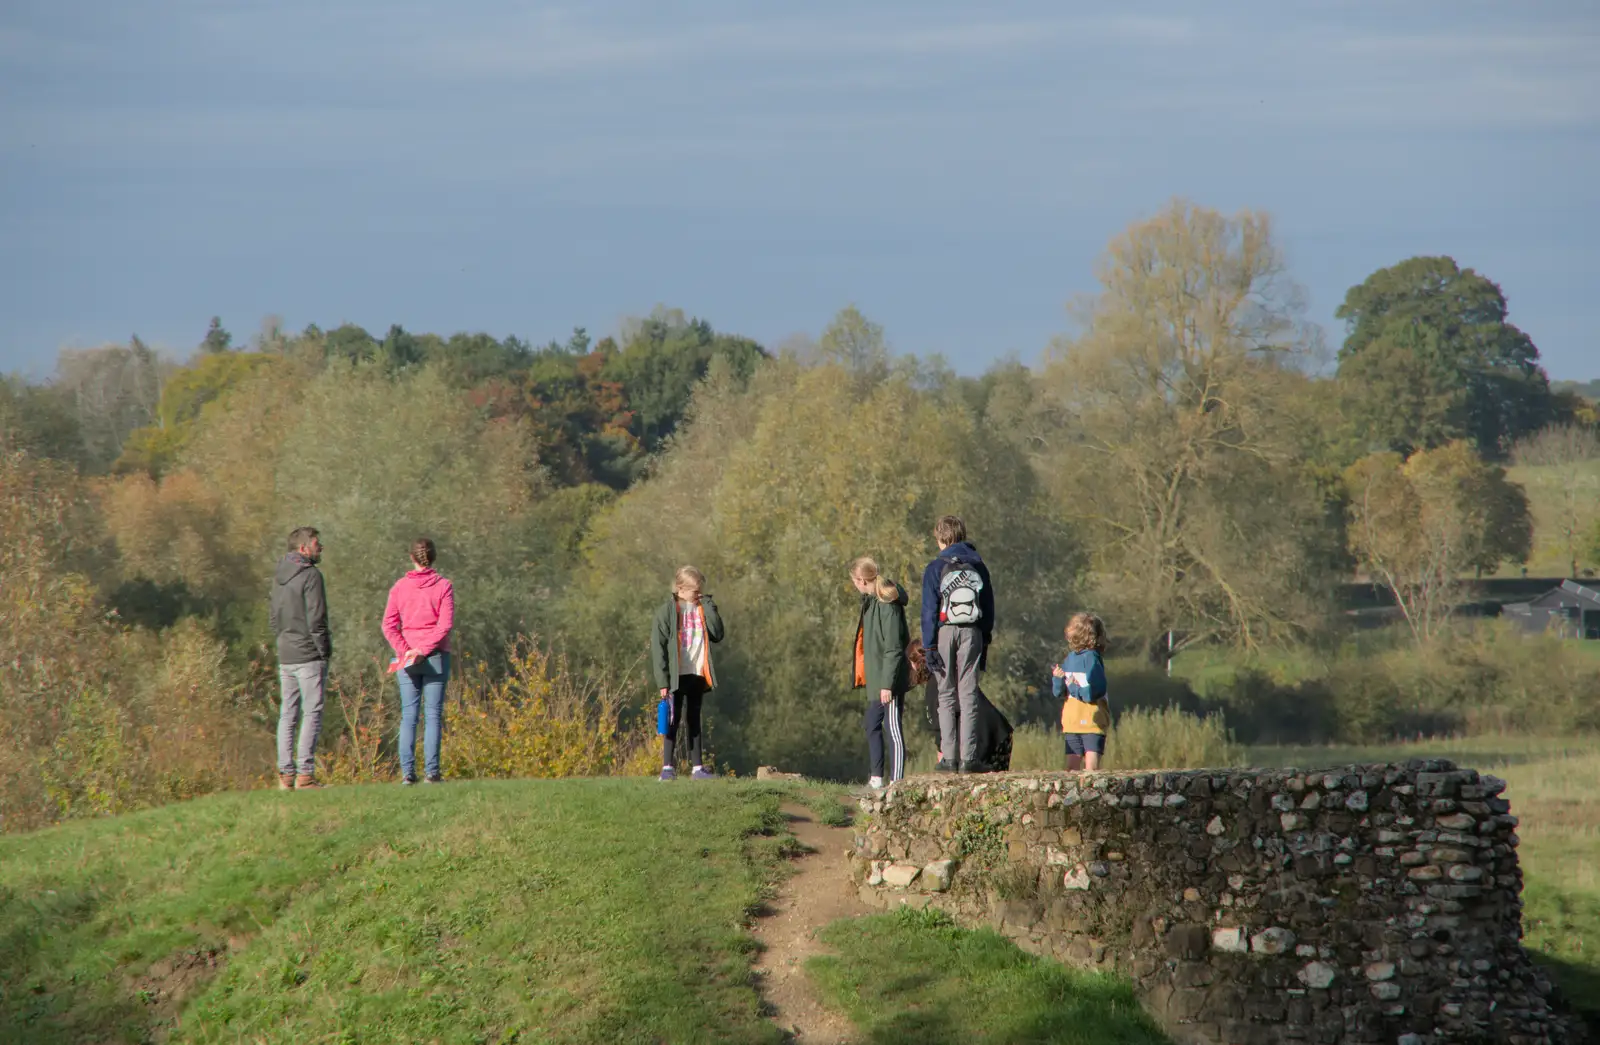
x=914 y=977
x=43 y=1005
x=1580 y=988
x=1560 y=929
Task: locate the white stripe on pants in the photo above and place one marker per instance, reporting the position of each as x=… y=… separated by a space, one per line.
x=897 y=743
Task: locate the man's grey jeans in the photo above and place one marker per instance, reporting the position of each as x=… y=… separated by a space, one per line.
x=302 y=699
x=960 y=649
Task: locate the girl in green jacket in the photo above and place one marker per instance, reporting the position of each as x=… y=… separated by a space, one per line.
x=879 y=666
x=685 y=626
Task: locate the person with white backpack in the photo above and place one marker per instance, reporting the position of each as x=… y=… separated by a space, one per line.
x=957 y=627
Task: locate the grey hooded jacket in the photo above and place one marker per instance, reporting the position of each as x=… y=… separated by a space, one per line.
x=299 y=611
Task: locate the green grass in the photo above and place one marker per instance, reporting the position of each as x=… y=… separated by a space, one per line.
x=1554 y=788
x=571 y=911
x=912 y=977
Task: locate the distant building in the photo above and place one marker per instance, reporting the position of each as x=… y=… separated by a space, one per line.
x=1571 y=611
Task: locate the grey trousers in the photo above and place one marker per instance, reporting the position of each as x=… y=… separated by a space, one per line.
x=302 y=699
x=959 y=648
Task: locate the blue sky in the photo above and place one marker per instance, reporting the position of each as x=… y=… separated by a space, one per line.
x=954 y=171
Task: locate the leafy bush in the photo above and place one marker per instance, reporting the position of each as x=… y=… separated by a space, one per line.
x=540 y=719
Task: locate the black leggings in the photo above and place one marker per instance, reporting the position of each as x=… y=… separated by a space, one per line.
x=686 y=710
x=883 y=724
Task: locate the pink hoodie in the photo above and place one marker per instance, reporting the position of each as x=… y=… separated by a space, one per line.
x=421 y=609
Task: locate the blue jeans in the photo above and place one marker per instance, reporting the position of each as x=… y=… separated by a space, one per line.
x=422 y=684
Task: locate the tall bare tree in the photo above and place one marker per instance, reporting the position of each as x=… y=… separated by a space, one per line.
x=116 y=389
x=1174 y=453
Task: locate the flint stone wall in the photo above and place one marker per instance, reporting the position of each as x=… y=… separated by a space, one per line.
x=1365 y=904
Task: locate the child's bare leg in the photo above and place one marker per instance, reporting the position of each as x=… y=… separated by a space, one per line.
x=1091 y=760
x=1074 y=763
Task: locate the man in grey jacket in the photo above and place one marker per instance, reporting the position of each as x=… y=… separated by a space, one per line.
x=299 y=618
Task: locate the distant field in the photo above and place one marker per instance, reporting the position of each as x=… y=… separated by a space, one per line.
x=1554 y=787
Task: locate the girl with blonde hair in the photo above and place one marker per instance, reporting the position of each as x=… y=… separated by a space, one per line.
x=879 y=666
x=686 y=625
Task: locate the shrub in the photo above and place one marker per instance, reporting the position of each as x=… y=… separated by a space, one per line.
x=1481 y=678
x=539 y=719
x=358 y=719
x=1154 y=738
x=1168 y=738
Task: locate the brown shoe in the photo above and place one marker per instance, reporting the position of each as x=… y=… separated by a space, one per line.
x=285 y=781
x=306 y=782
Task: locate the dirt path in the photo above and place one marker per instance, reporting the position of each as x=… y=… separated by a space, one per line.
x=816 y=894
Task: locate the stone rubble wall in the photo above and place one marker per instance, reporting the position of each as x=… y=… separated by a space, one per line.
x=1364 y=904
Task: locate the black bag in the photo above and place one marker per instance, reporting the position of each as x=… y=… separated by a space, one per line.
x=994 y=729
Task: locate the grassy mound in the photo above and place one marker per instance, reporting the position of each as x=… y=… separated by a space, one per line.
x=574 y=911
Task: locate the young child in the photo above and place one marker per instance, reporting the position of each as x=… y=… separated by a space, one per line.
x=680 y=658
x=1086 y=714
x=879 y=666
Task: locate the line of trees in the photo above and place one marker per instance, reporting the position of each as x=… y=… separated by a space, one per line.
x=1180 y=463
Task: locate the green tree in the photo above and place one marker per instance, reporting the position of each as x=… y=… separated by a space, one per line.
x=772 y=487
x=349 y=343
x=660 y=360
x=374 y=460
x=1419 y=525
x=1429 y=357
x=217 y=339
x=1176 y=446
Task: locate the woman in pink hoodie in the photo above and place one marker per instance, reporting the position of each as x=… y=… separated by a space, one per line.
x=417 y=621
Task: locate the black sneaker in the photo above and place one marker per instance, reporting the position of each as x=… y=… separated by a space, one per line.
x=943 y=766
x=975 y=767
x=433 y=780
x=407 y=781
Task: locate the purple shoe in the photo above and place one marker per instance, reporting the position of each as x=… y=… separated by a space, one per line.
x=701 y=773
x=668 y=773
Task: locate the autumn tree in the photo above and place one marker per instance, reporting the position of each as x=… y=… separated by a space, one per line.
x=1175 y=450
x=1429 y=357
x=155 y=447
x=1420 y=525
x=1563 y=460
x=853 y=341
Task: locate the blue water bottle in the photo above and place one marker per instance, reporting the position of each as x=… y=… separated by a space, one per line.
x=663 y=715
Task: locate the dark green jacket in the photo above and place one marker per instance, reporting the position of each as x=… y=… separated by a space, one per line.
x=664 y=640
x=882 y=627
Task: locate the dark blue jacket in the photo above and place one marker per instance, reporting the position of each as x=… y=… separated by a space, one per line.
x=962 y=552
x=1086 y=677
